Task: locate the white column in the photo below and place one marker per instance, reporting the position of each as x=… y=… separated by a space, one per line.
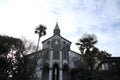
x=60 y=59
x=60 y=70
x=60 y=74
x=50 y=74
x=51 y=57
x=50 y=67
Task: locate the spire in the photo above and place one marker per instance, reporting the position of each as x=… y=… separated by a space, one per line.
x=56 y=29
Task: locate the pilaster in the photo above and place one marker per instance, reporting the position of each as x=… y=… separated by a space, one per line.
x=50 y=66
x=60 y=70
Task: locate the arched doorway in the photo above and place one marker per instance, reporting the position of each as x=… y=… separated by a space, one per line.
x=65 y=72
x=55 y=75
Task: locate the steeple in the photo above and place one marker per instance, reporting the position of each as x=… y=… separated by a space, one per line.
x=56 y=29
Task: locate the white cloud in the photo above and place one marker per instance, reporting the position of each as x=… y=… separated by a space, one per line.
x=101 y=17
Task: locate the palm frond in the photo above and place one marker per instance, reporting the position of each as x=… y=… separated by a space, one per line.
x=77 y=44
x=41 y=30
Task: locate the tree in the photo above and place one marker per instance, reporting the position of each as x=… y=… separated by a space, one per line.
x=29 y=46
x=91 y=54
x=87 y=48
x=29 y=64
x=41 y=31
x=11 y=54
x=13 y=58
x=103 y=54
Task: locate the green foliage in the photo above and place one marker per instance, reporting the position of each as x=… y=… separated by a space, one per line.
x=86 y=46
x=13 y=59
x=79 y=74
x=41 y=30
x=11 y=51
x=87 y=41
x=91 y=55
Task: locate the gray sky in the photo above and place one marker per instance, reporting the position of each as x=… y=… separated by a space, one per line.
x=75 y=17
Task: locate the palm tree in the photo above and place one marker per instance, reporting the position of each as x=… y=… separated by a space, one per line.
x=41 y=31
x=86 y=44
x=88 y=51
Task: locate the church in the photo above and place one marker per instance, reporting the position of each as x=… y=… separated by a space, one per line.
x=55 y=59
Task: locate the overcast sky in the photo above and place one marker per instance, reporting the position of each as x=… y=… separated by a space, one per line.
x=75 y=17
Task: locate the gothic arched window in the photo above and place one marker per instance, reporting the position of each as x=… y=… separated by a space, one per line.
x=56 y=54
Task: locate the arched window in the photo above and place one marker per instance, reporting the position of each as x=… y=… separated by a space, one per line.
x=65 y=71
x=65 y=67
x=56 y=54
x=64 y=42
x=48 y=42
x=65 y=54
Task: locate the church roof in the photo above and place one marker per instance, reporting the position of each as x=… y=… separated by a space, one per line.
x=56 y=32
x=60 y=37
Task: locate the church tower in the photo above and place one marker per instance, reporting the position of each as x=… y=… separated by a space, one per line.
x=57 y=30
x=54 y=59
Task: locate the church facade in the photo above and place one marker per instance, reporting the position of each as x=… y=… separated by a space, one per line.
x=56 y=59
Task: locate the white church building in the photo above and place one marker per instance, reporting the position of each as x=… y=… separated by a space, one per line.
x=56 y=59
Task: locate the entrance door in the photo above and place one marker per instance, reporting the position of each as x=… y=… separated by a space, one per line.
x=55 y=72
